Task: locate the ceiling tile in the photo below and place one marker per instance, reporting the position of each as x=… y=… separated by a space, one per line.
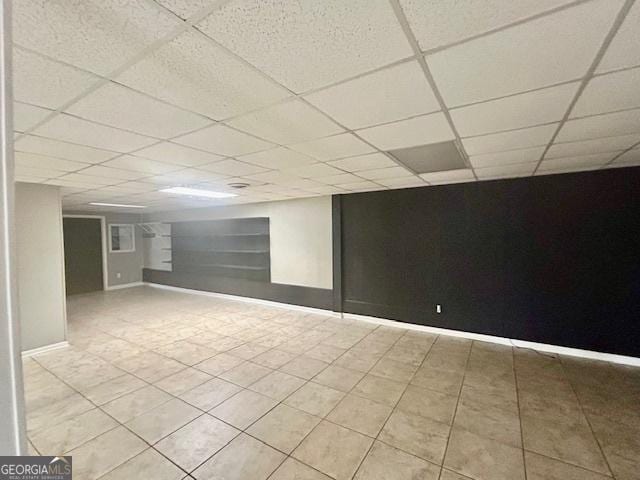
x=223 y=140
x=108 y=172
x=402 y=182
x=192 y=72
x=33 y=160
x=380 y=173
x=524 y=110
x=64 y=182
x=632 y=157
x=278 y=158
x=575 y=163
x=143 y=165
x=95 y=35
x=68 y=151
x=27 y=116
x=167 y=152
x=598 y=145
x=452 y=176
x=232 y=167
x=336 y=146
x=607 y=125
x=121 y=107
x=539 y=53
x=90 y=179
x=186 y=176
x=422 y=130
x=388 y=95
x=339 y=179
x=324 y=41
x=71 y=129
x=136 y=187
x=361 y=186
x=506 y=171
x=607 y=93
x=276 y=177
x=624 y=50
x=41 y=81
x=513 y=140
x=506 y=158
x=314 y=171
x=364 y=162
x=436 y=23
x=28 y=178
x=42 y=173
x=287 y=123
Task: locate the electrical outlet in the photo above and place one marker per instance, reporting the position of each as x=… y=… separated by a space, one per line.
x=118 y=275
x=438 y=308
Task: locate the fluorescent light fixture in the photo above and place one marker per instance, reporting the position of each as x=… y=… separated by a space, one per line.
x=119 y=205
x=197 y=192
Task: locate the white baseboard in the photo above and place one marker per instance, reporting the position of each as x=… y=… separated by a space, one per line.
x=45 y=349
x=255 y=301
x=541 y=347
x=124 y=285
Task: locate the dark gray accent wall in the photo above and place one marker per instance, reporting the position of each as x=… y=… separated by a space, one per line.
x=552 y=259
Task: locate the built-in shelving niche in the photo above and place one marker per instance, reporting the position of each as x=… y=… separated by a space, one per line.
x=236 y=247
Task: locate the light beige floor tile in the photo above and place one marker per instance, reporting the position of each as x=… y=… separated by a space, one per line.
x=539 y=467
x=334 y=450
x=136 y=403
x=482 y=458
x=219 y=364
x=315 y=399
x=417 y=435
x=283 y=427
x=243 y=408
x=428 y=403
x=274 y=358
x=245 y=374
x=304 y=367
x=112 y=389
x=150 y=366
x=210 y=394
x=378 y=389
x=440 y=380
x=343 y=379
x=104 y=453
x=149 y=464
x=245 y=458
x=360 y=414
x=248 y=351
x=384 y=462
x=573 y=444
x=326 y=353
x=183 y=381
x=57 y=412
x=277 y=385
x=489 y=421
x=292 y=469
x=195 y=442
x=393 y=370
x=72 y=433
x=450 y=475
x=186 y=352
x=163 y=420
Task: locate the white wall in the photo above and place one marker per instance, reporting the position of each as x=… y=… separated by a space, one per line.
x=40 y=252
x=300 y=231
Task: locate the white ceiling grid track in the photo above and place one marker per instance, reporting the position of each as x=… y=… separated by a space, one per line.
x=118 y=100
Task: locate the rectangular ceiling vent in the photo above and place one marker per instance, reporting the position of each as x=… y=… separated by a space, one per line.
x=436 y=157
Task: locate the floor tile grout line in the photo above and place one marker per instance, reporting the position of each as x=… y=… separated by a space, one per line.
x=522 y=444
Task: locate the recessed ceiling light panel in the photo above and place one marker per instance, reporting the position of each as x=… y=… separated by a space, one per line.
x=435 y=157
x=119 y=205
x=197 y=192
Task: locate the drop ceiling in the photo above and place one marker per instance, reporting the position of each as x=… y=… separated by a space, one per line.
x=115 y=101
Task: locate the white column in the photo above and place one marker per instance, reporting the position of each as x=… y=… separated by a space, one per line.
x=12 y=431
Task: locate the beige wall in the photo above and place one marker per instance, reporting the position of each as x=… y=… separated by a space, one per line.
x=301 y=245
x=40 y=253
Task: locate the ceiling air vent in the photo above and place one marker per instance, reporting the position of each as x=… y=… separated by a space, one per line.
x=238 y=185
x=436 y=157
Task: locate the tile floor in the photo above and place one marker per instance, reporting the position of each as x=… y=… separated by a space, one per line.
x=166 y=385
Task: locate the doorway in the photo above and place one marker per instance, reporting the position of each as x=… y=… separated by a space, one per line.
x=83 y=254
